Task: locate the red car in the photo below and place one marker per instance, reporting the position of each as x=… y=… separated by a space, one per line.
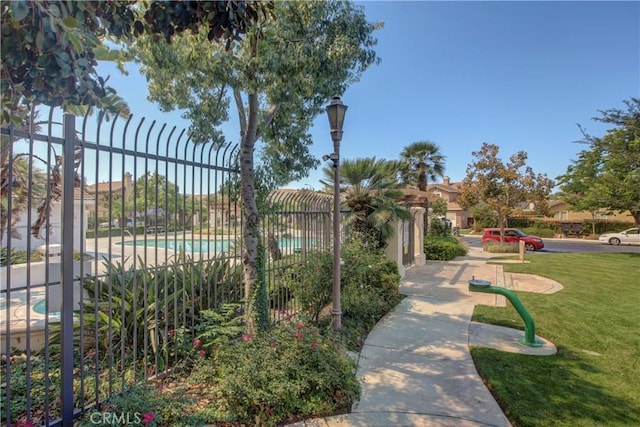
x=512 y=236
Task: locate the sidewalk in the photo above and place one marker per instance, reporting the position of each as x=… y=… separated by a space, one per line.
x=415 y=367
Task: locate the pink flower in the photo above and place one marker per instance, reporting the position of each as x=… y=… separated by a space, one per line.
x=274 y=344
x=299 y=325
x=314 y=345
x=298 y=335
x=202 y=353
x=246 y=337
x=160 y=387
x=25 y=423
x=197 y=343
x=148 y=417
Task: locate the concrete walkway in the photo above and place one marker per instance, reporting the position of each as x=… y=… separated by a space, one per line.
x=415 y=367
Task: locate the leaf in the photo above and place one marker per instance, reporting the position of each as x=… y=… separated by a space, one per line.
x=70 y=22
x=19 y=10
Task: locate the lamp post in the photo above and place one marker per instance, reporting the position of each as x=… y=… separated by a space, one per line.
x=336 y=111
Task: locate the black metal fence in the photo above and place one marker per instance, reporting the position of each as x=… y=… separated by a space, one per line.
x=108 y=259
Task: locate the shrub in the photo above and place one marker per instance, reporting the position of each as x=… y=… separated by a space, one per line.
x=18 y=256
x=311 y=283
x=143 y=405
x=369 y=288
x=443 y=248
x=276 y=376
x=495 y=247
x=540 y=232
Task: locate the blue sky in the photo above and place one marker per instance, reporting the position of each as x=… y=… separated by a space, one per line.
x=520 y=75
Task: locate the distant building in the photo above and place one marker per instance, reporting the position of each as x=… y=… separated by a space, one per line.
x=448 y=191
x=102 y=190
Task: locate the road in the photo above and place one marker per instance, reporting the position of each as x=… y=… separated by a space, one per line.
x=567 y=245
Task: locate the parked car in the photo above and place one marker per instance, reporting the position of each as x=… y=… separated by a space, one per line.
x=512 y=236
x=626 y=237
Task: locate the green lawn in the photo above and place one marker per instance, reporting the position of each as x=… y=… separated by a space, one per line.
x=594 y=380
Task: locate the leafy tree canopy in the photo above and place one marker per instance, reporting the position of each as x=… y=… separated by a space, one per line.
x=607 y=174
x=422 y=162
x=293 y=64
x=503 y=186
x=370 y=190
x=50 y=48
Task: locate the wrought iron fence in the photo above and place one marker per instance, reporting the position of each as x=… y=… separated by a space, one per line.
x=136 y=236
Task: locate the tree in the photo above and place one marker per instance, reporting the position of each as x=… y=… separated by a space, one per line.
x=503 y=186
x=278 y=78
x=579 y=185
x=371 y=193
x=154 y=195
x=423 y=162
x=607 y=175
x=50 y=48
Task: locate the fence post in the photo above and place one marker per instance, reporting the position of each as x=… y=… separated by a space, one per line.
x=68 y=177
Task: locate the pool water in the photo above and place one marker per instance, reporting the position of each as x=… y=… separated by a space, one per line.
x=41 y=308
x=207 y=246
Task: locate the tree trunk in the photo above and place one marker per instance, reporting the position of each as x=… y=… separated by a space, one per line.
x=250 y=212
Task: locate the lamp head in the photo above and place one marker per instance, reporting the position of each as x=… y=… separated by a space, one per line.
x=336 y=111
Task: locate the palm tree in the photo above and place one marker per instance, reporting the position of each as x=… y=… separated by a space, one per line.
x=370 y=191
x=422 y=162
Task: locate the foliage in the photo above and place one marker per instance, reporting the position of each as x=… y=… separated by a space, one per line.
x=421 y=161
x=503 y=186
x=538 y=231
x=18 y=256
x=501 y=248
x=439 y=207
x=50 y=49
x=443 y=248
x=595 y=371
x=141 y=307
x=437 y=227
x=274 y=376
x=370 y=191
x=369 y=288
x=311 y=283
x=279 y=77
x=153 y=191
x=141 y=404
x=483 y=217
x=606 y=175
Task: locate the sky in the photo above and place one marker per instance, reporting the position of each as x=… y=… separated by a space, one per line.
x=521 y=75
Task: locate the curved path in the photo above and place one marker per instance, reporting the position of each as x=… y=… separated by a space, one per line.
x=415 y=367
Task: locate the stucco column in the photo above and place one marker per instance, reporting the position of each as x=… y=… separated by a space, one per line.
x=394 y=247
x=419 y=257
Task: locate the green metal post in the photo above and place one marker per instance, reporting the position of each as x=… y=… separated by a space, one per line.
x=529 y=325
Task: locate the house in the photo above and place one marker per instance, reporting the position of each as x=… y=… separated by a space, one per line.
x=448 y=191
x=103 y=191
x=561 y=211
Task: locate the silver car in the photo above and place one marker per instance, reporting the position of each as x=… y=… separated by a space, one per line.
x=626 y=237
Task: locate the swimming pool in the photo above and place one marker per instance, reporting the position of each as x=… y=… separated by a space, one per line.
x=41 y=308
x=208 y=246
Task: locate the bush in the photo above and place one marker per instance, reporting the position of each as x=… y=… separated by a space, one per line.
x=540 y=232
x=501 y=248
x=443 y=248
x=18 y=256
x=369 y=288
x=143 y=405
x=276 y=376
x=311 y=283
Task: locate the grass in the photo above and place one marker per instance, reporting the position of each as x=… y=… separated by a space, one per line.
x=594 y=379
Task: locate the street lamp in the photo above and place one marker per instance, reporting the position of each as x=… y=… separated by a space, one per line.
x=336 y=111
